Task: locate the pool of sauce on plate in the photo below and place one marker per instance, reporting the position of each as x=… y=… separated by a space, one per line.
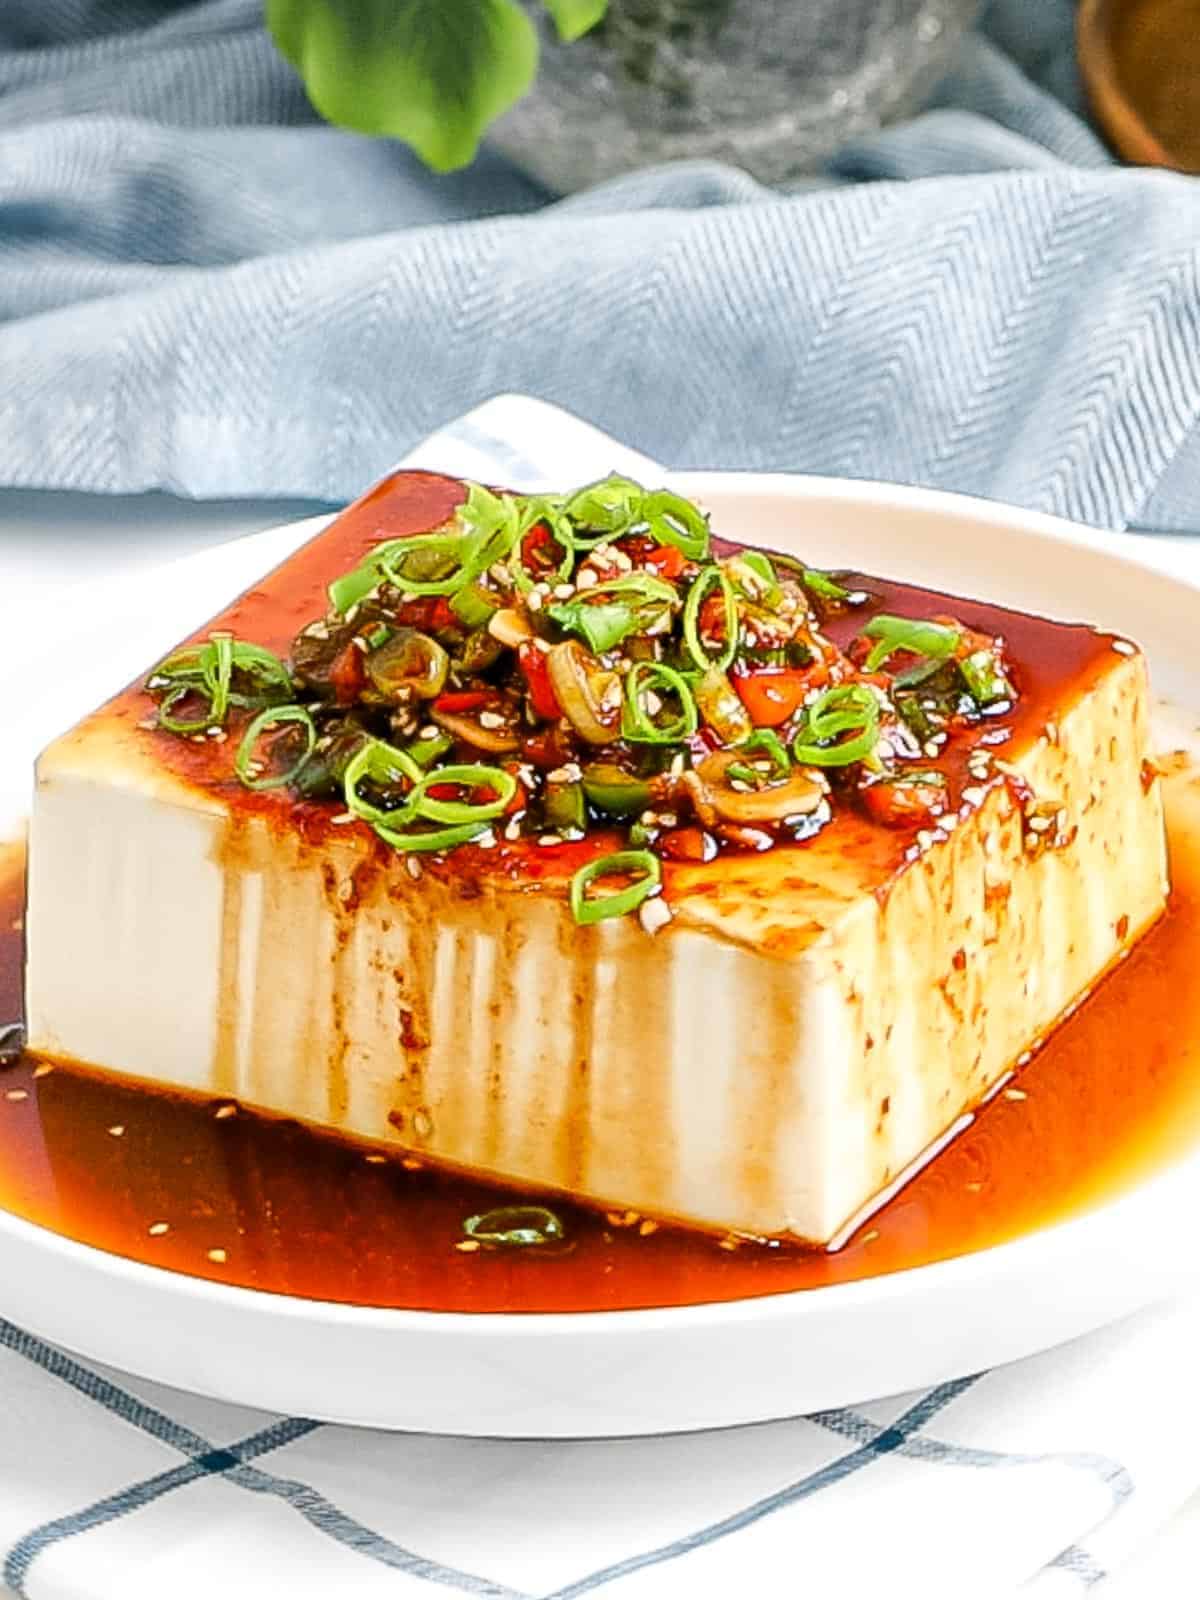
x=262 y=1202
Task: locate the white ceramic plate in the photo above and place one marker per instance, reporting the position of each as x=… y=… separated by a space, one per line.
x=638 y=1371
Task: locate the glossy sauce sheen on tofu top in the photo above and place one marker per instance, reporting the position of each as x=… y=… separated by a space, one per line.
x=1053 y=665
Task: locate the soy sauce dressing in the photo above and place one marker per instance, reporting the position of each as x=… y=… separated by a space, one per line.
x=267 y=1204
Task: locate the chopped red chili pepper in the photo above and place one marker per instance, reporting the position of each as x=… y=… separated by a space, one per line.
x=537 y=675
x=901 y=804
x=687 y=844
x=347 y=676
x=461 y=700
x=665 y=560
x=774 y=694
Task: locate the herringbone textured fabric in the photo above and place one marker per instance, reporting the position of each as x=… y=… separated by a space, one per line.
x=202 y=289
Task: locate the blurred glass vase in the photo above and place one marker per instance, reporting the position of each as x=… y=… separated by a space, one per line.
x=773 y=86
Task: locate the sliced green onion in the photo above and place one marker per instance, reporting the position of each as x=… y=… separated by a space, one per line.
x=847 y=708
x=710 y=577
x=384 y=765
x=429 y=838
x=623 y=862
x=906 y=633
x=515 y=1228
x=758 y=562
x=637 y=725
x=473 y=776
x=272 y=716
x=257 y=662
x=173 y=724
x=606 y=509
x=218 y=669
x=768 y=741
x=346 y=592
x=485 y=532
x=673 y=520
x=459 y=550
x=538 y=508
x=823 y=585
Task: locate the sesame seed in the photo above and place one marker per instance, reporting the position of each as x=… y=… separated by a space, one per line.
x=533 y=600
x=648 y=1227
x=422 y=1123
x=973 y=1188
x=157 y=1229
x=16 y=1094
x=1025 y=1058
x=467 y=1246
x=148 y=724
x=43 y=1071
x=512 y=831
x=117 y=1129
x=413 y=867
x=728 y=1243
x=654 y=914
x=867 y=1237
x=376 y=1161
x=218 y=1256
x=1015 y=1094
x=411 y=1164
x=1124 y=648
x=223 y=1113
x=429 y=731
x=549 y=839
x=217 y=735
x=342 y=818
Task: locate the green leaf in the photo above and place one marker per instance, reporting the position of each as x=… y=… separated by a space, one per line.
x=434 y=73
x=574 y=17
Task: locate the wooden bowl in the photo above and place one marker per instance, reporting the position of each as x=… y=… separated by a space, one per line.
x=1140 y=62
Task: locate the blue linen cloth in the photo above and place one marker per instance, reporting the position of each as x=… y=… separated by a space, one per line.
x=202 y=289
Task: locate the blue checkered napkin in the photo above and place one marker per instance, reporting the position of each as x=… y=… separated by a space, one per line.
x=1041 y=1474
x=1045 y=1474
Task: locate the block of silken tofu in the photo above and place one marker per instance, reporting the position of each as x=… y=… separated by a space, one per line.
x=768 y=1055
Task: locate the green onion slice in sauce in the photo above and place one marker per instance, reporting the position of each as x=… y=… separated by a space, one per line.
x=641 y=865
x=274 y=716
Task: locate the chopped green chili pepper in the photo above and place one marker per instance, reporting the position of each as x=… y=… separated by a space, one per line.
x=615 y=791
x=984 y=678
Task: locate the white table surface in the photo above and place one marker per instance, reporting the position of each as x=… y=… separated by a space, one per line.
x=50 y=539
